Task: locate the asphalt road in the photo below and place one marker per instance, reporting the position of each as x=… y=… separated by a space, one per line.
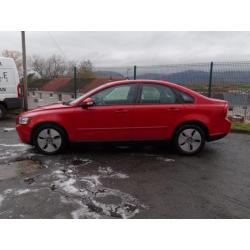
x=105 y=181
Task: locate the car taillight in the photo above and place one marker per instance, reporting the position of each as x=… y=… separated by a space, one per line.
x=225 y=109
x=18 y=90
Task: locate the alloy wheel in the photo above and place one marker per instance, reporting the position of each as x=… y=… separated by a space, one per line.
x=49 y=140
x=189 y=140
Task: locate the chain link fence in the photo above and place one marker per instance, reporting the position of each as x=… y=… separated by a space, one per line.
x=224 y=80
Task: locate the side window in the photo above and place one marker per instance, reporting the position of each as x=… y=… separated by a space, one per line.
x=157 y=94
x=185 y=97
x=122 y=94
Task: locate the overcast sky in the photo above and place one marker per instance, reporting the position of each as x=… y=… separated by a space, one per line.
x=129 y=48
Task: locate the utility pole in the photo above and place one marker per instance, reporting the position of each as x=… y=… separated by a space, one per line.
x=25 y=100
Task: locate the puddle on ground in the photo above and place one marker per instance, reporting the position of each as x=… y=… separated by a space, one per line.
x=14 y=169
x=78 y=183
x=88 y=193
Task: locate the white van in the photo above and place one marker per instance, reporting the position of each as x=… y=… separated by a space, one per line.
x=10 y=90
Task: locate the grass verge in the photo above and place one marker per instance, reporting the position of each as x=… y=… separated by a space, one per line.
x=241 y=127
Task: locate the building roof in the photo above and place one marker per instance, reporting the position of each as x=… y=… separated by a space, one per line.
x=96 y=82
x=56 y=83
x=66 y=84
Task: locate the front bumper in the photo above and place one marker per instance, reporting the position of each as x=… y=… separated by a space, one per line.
x=24 y=133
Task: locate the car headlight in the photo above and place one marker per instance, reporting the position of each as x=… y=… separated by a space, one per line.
x=24 y=120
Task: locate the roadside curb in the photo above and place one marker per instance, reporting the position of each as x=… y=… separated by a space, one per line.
x=239 y=131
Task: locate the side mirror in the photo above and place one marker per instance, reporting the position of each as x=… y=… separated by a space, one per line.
x=87 y=102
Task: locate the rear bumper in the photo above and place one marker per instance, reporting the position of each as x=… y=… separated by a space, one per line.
x=221 y=130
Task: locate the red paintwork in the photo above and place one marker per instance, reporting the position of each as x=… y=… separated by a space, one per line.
x=129 y=122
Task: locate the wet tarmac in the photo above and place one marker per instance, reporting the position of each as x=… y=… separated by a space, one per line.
x=107 y=181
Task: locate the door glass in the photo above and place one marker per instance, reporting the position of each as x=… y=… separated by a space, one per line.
x=115 y=95
x=157 y=94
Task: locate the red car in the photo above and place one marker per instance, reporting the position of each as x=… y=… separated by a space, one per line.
x=131 y=110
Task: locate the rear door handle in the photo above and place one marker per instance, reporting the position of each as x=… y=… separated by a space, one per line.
x=121 y=111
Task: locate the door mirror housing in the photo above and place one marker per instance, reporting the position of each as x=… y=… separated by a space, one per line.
x=88 y=102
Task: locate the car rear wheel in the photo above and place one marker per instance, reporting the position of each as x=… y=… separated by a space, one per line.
x=49 y=139
x=189 y=139
x=3 y=112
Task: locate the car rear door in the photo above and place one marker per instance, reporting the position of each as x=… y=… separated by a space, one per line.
x=156 y=112
x=110 y=117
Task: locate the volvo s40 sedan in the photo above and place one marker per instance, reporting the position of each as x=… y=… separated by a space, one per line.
x=131 y=110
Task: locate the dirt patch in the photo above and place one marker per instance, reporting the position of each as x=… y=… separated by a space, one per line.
x=14 y=169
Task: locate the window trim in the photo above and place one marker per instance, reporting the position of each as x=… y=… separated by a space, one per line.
x=134 y=95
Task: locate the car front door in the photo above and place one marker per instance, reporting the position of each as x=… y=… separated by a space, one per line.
x=156 y=112
x=109 y=118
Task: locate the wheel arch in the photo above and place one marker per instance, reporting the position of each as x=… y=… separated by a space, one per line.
x=44 y=123
x=193 y=122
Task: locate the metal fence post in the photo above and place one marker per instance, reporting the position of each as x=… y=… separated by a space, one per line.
x=75 y=82
x=25 y=88
x=210 y=80
x=135 y=72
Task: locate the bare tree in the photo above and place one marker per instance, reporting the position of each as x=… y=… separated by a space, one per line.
x=50 y=68
x=39 y=65
x=55 y=66
x=17 y=56
x=85 y=69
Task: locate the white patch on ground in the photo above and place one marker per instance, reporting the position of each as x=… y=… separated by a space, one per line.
x=91 y=180
x=160 y=158
x=84 y=213
x=108 y=172
x=13 y=151
x=8 y=129
x=7 y=154
x=1 y=199
x=165 y=159
x=89 y=194
x=67 y=186
x=14 y=145
x=7 y=191
x=22 y=191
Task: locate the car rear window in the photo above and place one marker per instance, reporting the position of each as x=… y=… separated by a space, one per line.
x=185 y=97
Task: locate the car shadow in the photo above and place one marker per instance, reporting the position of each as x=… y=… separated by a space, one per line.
x=127 y=147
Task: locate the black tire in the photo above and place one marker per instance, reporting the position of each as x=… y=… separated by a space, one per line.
x=191 y=146
x=3 y=112
x=37 y=139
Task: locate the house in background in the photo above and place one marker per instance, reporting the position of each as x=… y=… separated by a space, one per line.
x=41 y=93
x=239 y=104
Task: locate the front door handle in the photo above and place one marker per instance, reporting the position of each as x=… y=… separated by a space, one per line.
x=121 y=111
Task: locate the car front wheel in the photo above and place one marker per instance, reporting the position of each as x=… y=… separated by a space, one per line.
x=49 y=139
x=189 y=139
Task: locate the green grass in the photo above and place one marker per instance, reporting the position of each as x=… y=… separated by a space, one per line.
x=241 y=126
